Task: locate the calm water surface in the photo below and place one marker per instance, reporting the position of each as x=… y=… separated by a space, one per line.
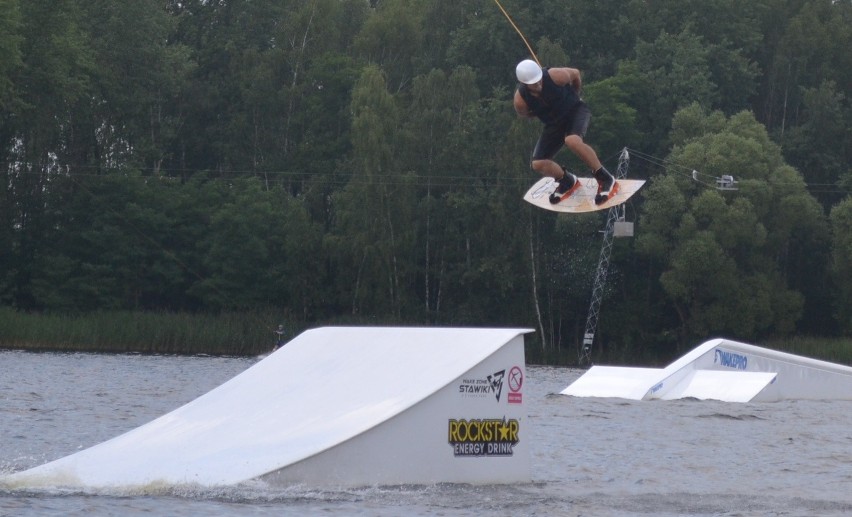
x=590 y=457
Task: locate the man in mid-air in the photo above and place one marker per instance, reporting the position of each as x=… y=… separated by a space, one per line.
x=553 y=95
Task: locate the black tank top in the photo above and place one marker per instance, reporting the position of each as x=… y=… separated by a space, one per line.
x=554 y=104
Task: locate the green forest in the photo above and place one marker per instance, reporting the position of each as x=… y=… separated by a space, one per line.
x=317 y=162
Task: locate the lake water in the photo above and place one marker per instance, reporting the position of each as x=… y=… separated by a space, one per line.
x=590 y=457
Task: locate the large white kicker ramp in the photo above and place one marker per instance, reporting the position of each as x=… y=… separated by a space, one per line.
x=345 y=406
x=725 y=370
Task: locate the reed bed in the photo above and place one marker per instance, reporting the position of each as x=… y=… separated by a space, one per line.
x=233 y=333
x=835 y=350
x=252 y=333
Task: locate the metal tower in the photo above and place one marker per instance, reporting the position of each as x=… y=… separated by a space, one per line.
x=614 y=215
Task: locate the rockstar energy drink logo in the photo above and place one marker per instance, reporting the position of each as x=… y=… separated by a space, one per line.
x=483 y=437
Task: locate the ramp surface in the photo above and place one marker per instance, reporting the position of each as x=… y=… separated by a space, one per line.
x=614 y=382
x=724 y=370
x=317 y=393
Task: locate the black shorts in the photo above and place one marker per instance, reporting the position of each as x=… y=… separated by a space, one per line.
x=553 y=136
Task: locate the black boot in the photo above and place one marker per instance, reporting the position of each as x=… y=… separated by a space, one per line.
x=606 y=183
x=564 y=185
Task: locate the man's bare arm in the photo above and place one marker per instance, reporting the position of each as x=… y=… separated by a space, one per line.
x=563 y=76
x=521 y=107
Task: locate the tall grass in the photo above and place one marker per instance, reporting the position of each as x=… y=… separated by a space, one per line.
x=236 y=333
x=251 y=333
x=835 y=350
x=831 y=349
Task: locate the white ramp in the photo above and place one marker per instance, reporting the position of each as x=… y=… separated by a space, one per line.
x=614 y=381
x=335 y=406
x=722 y=370
x=719 y=385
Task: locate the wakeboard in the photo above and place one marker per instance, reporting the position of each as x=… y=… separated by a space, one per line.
x=583 y=199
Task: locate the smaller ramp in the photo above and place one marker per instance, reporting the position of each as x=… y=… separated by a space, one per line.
x=724 y=370
x=615 y=382
x=718 y=385
x=336 y=406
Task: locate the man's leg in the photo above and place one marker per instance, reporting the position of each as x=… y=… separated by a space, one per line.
x=583 y=150
x=547 y=168
x=550 y=142
x=606 y=181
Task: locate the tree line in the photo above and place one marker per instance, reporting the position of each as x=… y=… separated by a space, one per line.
x=359 y=161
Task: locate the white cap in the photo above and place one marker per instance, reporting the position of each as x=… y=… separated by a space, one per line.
x=528 y=72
